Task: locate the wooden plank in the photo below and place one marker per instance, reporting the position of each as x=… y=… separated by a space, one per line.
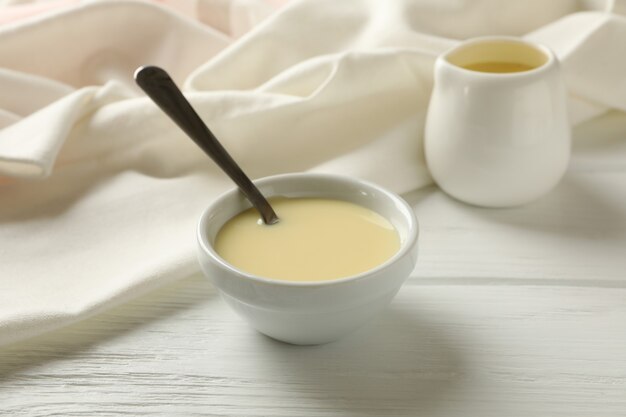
x=440 y=350
x=575 y=234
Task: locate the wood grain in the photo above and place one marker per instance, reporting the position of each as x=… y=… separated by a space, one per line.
x=440 y=350
x=575 y=234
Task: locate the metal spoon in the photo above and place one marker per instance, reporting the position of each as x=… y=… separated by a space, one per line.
x=160 y=87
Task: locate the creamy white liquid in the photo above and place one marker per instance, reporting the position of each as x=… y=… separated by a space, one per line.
x=315 y=240
x=502 y=67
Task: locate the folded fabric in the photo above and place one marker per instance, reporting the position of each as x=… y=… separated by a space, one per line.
x=101 y=192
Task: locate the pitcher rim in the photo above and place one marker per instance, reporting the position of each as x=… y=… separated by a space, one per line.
x=551 y=59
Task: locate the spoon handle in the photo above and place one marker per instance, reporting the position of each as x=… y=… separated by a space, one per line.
x=160 y=87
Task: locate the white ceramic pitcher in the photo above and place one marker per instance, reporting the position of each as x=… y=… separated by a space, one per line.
x=497 y=139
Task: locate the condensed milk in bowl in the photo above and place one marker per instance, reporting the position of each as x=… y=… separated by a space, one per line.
x=339 y=254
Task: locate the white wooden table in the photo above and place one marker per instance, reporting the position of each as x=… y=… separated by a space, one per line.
x=518 y=312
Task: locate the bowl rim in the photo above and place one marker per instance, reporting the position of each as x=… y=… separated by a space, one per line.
x=412 y=231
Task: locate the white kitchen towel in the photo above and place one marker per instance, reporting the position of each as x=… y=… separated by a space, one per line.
x=100 y=192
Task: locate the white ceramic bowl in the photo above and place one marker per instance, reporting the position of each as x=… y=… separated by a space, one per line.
x=310 y=312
